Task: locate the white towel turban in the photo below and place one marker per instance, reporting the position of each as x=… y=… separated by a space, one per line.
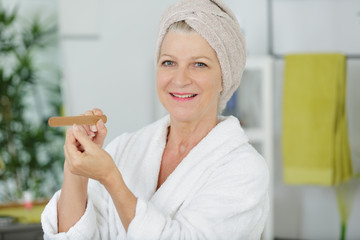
x=216 y=23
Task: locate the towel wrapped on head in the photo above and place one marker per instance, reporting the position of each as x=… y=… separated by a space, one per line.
x=216 y=23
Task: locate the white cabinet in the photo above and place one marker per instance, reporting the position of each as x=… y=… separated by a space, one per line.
x=252 y=103
x=262 y=135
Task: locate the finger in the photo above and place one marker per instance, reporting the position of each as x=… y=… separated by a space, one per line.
x=69 y=137
x=90 y=128
x=67 y=156
x=101 y=134
x=99 y=138
x=79 y=147
x=69 y=160
x=87 y=127
x=83 y=139
x=71 y=144
x=98 y=111
x=69 y=140
x=87 y=130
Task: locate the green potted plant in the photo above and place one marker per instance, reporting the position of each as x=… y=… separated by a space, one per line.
x=345 y=194
x=31 y=155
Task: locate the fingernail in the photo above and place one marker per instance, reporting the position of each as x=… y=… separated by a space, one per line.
x=93 y=128
x=76 y=128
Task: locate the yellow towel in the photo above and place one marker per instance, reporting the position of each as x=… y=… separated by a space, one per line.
x=315 y=138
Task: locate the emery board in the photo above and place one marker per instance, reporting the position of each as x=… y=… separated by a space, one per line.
x=79 y=120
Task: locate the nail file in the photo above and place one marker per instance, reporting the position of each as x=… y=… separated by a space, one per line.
x=80 y=120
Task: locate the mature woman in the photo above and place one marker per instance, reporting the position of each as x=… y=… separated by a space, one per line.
x=190 y=175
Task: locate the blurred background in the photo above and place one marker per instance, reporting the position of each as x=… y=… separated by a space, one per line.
x=102 y=56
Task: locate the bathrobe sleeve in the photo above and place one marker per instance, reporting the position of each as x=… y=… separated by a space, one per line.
x=90 y=226
x=94 y=224
x=232 y=204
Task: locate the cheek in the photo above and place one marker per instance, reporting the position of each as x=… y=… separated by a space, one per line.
x=162 y=81
x=221 y=85
x=212 y=79
x=216 y=85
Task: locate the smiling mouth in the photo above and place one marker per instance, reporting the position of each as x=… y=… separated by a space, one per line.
x=183 y=96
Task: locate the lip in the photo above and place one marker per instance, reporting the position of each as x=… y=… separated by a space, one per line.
x=182 y=99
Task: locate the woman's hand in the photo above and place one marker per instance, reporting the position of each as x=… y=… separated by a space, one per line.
x=84 y=159
x=96 y=132
x=84 y=154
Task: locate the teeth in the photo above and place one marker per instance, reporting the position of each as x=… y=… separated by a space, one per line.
x=184 y=96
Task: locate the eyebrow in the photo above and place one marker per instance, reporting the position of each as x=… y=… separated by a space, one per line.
x=193 y=58
x=166 y=55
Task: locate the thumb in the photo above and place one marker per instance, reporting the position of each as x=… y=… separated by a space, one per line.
x=83 y=138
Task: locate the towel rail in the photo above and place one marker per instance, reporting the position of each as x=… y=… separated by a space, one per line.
x=348 y=56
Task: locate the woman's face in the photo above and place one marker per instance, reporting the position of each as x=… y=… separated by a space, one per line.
x=188 y=77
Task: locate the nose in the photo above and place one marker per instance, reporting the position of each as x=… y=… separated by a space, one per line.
x=182 y=76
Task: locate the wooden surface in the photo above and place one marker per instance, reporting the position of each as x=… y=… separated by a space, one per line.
x=21 y=214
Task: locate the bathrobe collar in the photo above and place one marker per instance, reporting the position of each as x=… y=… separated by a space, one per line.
x=226 y=136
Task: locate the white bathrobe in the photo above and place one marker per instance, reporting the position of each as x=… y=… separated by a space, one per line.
x=218 y=191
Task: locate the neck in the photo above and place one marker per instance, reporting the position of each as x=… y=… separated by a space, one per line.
x=183 y=136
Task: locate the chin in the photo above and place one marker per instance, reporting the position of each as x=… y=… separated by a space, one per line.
x=192 y=115
x=191 y=112
x=183 y=115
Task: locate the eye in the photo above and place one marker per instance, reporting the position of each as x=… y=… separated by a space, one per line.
x=200 y=64
x=167 y=63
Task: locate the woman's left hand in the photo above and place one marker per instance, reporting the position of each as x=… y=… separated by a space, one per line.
x=91 y=161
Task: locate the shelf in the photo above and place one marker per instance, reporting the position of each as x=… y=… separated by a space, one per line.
x=252 y=104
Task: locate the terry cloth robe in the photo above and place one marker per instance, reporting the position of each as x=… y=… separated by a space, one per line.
x=218 y=191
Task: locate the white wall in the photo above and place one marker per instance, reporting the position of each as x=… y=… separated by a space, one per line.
x=114 y=71
x=253 y=18
x=316 y=25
